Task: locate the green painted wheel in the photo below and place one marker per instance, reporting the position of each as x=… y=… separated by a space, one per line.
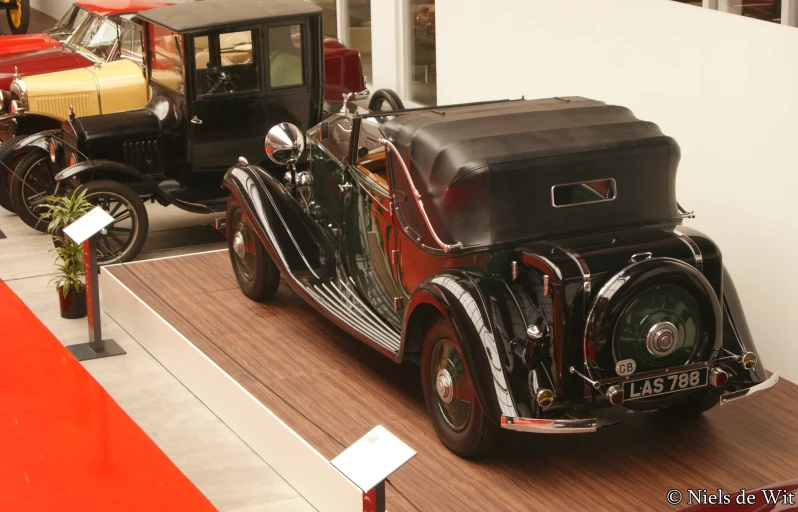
x=661 y=327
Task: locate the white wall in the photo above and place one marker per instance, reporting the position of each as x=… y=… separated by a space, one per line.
x=53 y=8
x=726 y=87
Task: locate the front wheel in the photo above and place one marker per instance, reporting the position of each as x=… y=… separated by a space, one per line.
x=19 y=16
x=256 y=273
x=9 y=158
x=125 y=236
x=32 y=182
x=458 y=417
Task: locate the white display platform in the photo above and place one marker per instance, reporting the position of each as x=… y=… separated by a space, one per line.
x=301 y=465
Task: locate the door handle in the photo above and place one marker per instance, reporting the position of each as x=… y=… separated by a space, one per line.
x=196 y=120
x=345 y=187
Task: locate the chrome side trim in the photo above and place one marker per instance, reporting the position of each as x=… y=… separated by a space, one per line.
x=699 y=258
x=762 y=387
x=417 y=196
x=97 y=84
x=550 y=426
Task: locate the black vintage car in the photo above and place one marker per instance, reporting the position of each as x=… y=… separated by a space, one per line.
x=530 y=255
x=221 y=75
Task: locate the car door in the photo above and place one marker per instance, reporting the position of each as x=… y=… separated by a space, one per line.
x=228 y=115
x=368 y=236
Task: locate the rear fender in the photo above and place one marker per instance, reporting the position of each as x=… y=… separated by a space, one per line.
x=737 y=336
x=456 y=295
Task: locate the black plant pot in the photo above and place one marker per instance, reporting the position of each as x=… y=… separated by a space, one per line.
x=74 y=304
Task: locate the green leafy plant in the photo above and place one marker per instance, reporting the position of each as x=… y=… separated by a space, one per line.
x=69 y=264
x=61 y=211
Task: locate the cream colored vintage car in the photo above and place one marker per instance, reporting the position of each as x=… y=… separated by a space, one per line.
x=99 y=89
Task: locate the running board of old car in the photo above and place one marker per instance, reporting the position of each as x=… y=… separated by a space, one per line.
x=340 y=299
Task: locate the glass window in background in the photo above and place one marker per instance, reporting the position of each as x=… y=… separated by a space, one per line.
x=360 y=32
x=285 y=56
x=423 y=52
x=765 y=10
x=329 y=21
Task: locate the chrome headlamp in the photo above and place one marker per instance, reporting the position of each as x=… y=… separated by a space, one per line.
x=20 y=91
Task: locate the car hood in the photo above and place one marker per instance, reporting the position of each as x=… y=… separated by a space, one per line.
x=92 y=90
x=106 y=136
x=26 y=43
x=42 y=61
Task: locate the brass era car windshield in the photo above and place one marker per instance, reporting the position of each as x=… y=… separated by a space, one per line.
x=95 y=39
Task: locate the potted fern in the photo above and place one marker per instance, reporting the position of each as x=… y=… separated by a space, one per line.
x=61 y=211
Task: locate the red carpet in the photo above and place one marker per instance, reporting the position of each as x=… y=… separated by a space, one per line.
x=65 y=445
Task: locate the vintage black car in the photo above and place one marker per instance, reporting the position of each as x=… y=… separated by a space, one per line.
x=221 y=75
x=530 y=255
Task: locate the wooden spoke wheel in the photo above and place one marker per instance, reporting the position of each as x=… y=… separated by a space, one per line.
x=123 y=239
x=18 y=15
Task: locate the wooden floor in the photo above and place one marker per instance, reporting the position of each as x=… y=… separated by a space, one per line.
x=331 y=389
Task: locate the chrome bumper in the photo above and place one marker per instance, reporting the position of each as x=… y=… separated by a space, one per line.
x=550 y=426
x=745 y=393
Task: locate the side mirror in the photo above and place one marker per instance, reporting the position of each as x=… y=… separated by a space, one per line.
x=284 y=144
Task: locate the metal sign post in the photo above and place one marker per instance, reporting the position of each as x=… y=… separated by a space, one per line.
x=369 y=461
x=83 y=231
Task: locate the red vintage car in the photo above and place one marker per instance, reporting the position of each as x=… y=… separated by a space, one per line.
x=93 y=39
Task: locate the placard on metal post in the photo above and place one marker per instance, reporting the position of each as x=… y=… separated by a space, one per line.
x=82 y=231
x=369 y=461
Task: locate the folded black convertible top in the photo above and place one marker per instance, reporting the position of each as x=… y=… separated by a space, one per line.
x=487 y=170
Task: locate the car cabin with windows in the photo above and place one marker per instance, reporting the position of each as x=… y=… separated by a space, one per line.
x=233 y=72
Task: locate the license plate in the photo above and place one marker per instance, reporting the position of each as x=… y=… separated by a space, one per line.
x=656 y=386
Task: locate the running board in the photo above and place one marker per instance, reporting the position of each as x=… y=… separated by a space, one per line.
x=339 y=299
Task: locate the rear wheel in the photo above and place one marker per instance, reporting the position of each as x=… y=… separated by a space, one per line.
x=256 y=273
x=452 y=404
x=125 y=236
x=18 y=17
x=33 y=181
x=8 y=162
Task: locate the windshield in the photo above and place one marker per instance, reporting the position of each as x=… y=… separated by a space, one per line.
x=95 y=39
x=69 y=23
x=131 y=40
x=166 y=58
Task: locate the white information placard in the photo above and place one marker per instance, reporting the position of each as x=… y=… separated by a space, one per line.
x=373 y=457
x=88 y=225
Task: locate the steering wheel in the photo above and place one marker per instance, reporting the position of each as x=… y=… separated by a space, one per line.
x=220 y=79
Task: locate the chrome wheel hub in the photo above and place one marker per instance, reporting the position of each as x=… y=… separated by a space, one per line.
x=443 y=384
x=662 y=339
x=238 y=244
